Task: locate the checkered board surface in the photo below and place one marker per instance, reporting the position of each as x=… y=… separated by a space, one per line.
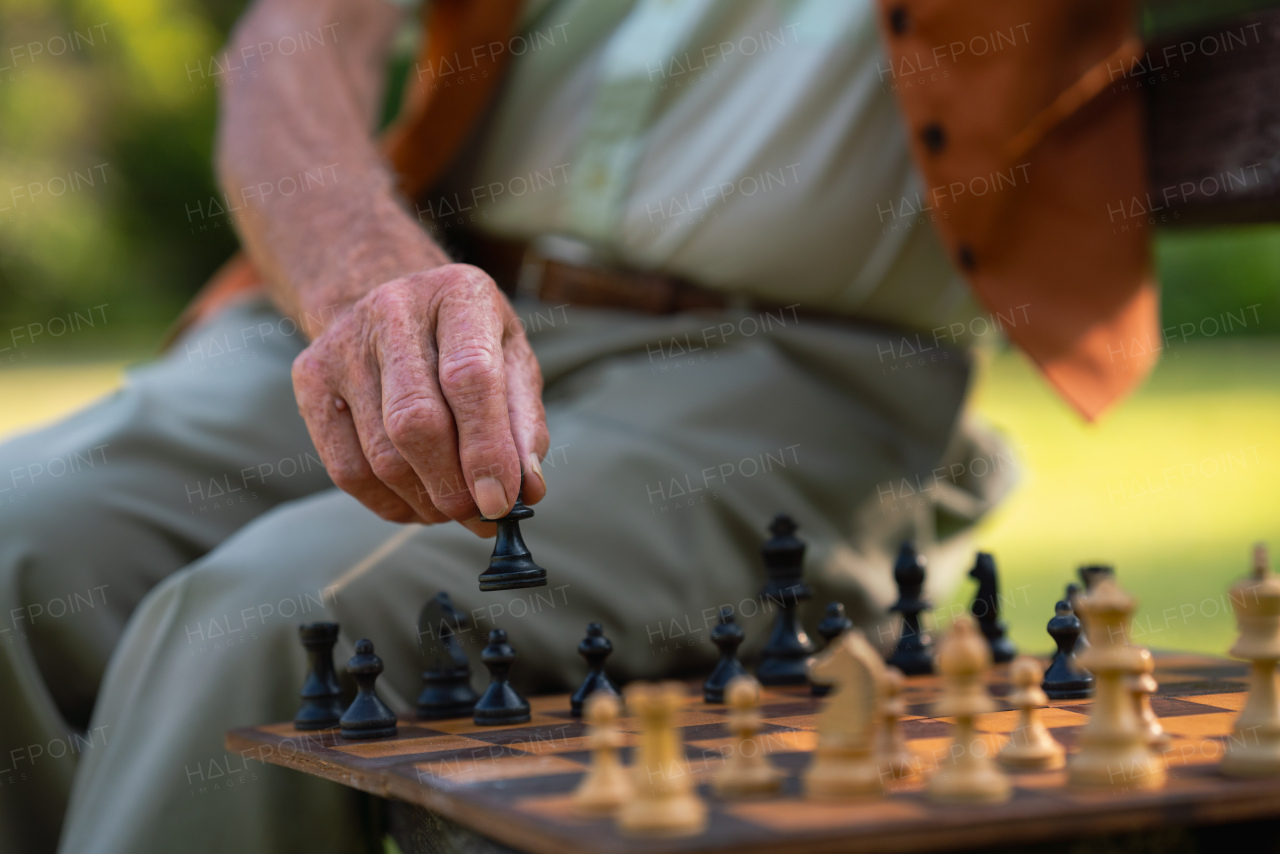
x=513 y=784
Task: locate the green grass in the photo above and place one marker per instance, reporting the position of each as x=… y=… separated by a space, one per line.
x=1172 y=487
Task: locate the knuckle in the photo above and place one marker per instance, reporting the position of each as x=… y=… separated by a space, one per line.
x=466 y=276
x=416 y=420
x=387 y=464
x=471 y=370
x=350 y=477
x=306 y=369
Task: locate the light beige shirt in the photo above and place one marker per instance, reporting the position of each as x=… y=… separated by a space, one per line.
x=753 y=146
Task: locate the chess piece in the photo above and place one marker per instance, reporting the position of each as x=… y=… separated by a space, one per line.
x=986 y=609
x=834 y=623
x=784 y=659
x=321 y=695
x=664 y=802
x=511 y=566
x=968 y=775
x=595 y=648
x=499 y=704
x=727 y=636
x=747 y=771
x=891 y=754
x=1113 y=749
x=1065 y=679
x=843 y=763
x=367 y=716
x=607 y=785
x=1142 y=686
x=1072 y=596
x=914 y=652
x=1030 y=746
x=446 y=678
x=1253 y=749
x=1093 y=573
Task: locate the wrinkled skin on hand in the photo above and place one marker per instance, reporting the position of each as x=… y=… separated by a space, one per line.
x=424 y=400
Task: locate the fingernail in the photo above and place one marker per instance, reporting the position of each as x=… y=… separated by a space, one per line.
x=491 y=498
x=536 y=468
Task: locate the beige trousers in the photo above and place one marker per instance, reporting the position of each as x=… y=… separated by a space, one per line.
x=159 y=549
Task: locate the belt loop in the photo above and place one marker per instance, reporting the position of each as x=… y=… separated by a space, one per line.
x=533 y=269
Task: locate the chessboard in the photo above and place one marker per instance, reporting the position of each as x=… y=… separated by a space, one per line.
x=513 y=784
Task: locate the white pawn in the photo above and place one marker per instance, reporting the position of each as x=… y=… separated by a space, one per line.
x=664 y=803
x=971 y=776
x=607 y=786
x=1030 y=747
x=1254 y=747
x=892 y=755
x=1143 y=686
x=1114 y=752
x=747 y=771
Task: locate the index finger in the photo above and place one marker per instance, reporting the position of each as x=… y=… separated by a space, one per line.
x=472 y=376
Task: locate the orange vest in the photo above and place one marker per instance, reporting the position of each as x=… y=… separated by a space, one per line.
x=1034 y=120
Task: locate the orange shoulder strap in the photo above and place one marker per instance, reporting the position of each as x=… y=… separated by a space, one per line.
x=464 y=52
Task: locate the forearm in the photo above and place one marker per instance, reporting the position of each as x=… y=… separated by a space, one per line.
x=316 y=206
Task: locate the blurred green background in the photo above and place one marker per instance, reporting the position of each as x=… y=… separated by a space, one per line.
x=133 y=107
x=132 y=104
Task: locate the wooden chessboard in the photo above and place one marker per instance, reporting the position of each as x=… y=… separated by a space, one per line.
x=513 y=784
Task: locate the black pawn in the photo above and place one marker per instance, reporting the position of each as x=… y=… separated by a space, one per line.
x=1064 y=679
x=321 y=695
x=834 y=624
x=446 y=679
x=986 y=609
x=500 y=704
x=511 y=566
x=367 y=716
x=914 y=653
x=595 y=648
x=727 y=636
x=1073 y=598
x=784 y=659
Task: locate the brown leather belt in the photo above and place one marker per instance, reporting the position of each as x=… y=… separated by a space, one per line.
x=522 y=268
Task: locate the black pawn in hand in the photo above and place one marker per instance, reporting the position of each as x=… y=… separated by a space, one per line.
x=511 y=566
x=727 y=636
x=500 y=704
x=1064 y=679
x=446 y=679
x=914 y=652
x=784 y=659
x=834 y=624
x=595 y=648
x=321 y=695
x=986 y=609
x=367 y=716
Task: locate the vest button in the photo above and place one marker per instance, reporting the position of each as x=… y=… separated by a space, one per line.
x=934 y=137
x=899 y=20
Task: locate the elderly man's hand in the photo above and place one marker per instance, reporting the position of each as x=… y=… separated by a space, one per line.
x=424 y=400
